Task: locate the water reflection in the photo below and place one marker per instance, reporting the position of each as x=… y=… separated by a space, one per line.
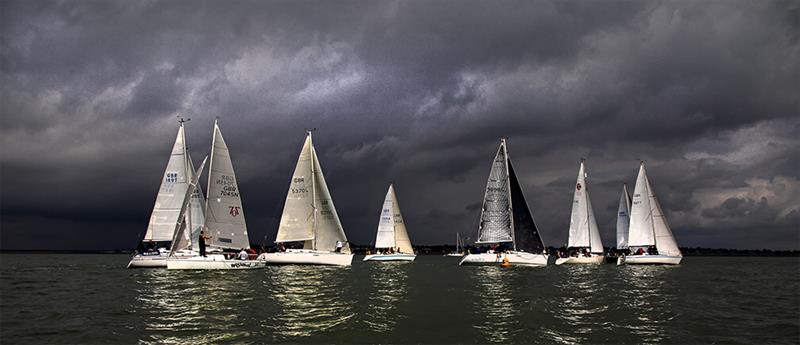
x=310 y=299
x=497 y=315
x=189 y=307
x=577 y=307
x=389 y=288
x=647 y=298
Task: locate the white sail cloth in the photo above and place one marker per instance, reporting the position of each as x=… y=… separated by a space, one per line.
x=224 y=216
x=161 y=226
x=308 y=213
x=392 y=232
x=623 y=218
x=648 y=225
x=583 y=231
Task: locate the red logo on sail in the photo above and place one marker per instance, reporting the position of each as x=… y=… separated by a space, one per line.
x=578 y=186
x=234 y=211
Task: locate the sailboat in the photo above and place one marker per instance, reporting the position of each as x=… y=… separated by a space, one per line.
x=392 y=237
x=584 y=237
x=309 y=216
x=167 y=209
x=650 y=238
x=623 y=218
x=459 y=248
x=224 y=215
x=506 y=221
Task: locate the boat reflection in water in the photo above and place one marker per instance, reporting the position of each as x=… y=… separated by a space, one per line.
x=389 y=288
x=189 y=307
x=310 y=300
x=495 y=305
x=577 y=309
x=647 y=298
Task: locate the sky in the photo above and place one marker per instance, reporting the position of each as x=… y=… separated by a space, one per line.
x=707 y=93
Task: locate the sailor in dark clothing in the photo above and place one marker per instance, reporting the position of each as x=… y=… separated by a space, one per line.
x=202 y=242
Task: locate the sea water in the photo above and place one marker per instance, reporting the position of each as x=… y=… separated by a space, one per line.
x=93 y=299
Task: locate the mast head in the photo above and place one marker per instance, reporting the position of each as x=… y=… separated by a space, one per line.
x=182 y=119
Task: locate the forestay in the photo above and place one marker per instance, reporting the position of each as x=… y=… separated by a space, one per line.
x=171 y=193
x=225 y=218
x=623 y=218
x=495 y=223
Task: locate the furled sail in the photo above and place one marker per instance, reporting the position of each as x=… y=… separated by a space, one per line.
x=309 y=214
x=392 y=231
x=526 y=233
x=224 y=212
x=583 y=231
x=623 y=218
x=495 y=224
x=171 y=193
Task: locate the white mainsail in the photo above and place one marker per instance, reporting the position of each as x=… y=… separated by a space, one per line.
x=648 y=225
x=623 y=218
x=309 y=214
x=174 y=184
x=392 y=231
x=224 y=212
x=495 y=224
x=583 y=231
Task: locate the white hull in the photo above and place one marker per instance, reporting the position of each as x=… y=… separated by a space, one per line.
x=514 y=258
x=390 y=257
x=306 y=257
x=594 y=259
x=649 y=260
x=156 y=261
x=212 y=262
x=454 y=255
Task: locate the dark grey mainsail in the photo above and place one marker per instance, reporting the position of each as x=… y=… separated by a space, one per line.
x=495 y=225
x=526 y=234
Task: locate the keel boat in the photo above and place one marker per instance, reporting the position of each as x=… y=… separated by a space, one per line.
x=392 y=242
x=584 y=244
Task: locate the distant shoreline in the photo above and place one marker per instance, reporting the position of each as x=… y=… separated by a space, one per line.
x=440 y=250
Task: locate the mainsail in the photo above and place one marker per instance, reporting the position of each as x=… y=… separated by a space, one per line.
x=623 y=218
x=309 y=214
x=392 y=231
x=648 y=225
x=583 y=231
x=224 y=212
x=505 y=215
x=171 y=193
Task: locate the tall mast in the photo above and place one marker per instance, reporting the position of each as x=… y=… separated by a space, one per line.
x=313 y=191
x=211 y=164
x=510 y=201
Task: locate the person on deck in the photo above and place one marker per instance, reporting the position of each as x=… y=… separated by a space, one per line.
x=243 y=255
x=339 y=246
x=202 y=242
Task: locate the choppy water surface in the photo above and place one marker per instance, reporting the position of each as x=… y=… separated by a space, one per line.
x=94 y=299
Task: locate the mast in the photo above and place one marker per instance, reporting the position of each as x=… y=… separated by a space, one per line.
x=510 y=199
x=313 y=193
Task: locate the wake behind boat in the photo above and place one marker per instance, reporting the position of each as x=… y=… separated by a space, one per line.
x=224 y=216
x=309 y=216
x=584 y=245
x=391 y=242
x=506 y=221
x=650 y=239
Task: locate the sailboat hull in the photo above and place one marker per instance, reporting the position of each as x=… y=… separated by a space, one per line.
x=594 y=259
x=307 y=257
x=157 y=260
x=454 y=255
x=514 y=258
x=649 y=260
x=212 y=262
x=390 y=257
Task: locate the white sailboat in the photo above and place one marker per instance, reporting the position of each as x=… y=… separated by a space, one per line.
x=506 y=220
x=392 y=241
x=459 y=248
x=310 y=216
x=584 y=237
x=224 y=215
x=623 y=218
x=650 y=238
x=167 y=209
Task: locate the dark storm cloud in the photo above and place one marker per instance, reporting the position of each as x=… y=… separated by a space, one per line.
x=412 y=92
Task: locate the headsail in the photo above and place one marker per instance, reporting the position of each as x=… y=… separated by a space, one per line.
x=665 y=241
x=224 y=212
x=195 y=213
x=180 y=227
x=526 y=233
x=495 y=224
x=171 y=193
x=583 y=231
x=623 y=218
x=309 y=214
